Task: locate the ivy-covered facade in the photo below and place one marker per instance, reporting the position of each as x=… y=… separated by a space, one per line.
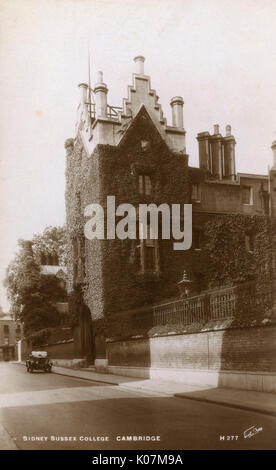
x=133 y=154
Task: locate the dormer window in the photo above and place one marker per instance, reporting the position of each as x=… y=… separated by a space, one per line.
x=145 y=186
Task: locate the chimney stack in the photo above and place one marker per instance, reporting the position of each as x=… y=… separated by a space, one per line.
x=229 y=155
x=204 y=151
x=139 y=61
x=216 y=146
x=177 y=111
x=100 y=90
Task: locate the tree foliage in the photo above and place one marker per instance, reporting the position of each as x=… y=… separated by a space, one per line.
x=32 y=295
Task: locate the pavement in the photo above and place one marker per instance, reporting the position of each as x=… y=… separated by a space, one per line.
x=259 y=402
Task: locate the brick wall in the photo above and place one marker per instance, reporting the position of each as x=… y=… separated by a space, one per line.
x=252 y=349
x=59 y=351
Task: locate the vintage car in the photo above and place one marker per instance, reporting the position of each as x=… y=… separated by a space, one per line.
x=38 y=360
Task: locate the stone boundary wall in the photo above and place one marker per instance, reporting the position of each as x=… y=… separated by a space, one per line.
x=234 y=357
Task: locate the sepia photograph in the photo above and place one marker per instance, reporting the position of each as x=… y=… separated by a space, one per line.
x=138 y=228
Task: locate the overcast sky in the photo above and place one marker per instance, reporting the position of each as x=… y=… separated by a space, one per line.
x=220 y=55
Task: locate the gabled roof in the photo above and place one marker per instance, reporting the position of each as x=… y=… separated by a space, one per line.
x=144 y=122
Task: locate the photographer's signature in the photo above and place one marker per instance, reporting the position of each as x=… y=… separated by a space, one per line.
x=250 y=432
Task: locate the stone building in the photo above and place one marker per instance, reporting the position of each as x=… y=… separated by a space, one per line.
x=134 y=154
x=10 y=334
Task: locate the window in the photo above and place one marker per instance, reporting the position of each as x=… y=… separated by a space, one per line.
x=249 y=242
x=197 y=239
x=6 y=334
x=149 y=248
x=149 y=254
x=145 y=186
x=195 y=195
x=18 y=333
x=247 y=195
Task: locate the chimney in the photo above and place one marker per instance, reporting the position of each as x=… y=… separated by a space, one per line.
x=273 y=148
x=204 y=151
x=216 y=129
x=83 y=97
x=177 y=111
x=216 y=147
x=139 y=61
x=83 y=92
x=100 y=90
x=229 y=155
x=228 y=130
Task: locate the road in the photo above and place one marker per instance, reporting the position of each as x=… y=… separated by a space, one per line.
x=43 y=411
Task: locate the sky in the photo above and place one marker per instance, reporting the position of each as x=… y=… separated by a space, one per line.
x=220 y=55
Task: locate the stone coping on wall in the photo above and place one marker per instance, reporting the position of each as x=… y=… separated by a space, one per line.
x=195 y=328
x=242 y=380
x=57 y=342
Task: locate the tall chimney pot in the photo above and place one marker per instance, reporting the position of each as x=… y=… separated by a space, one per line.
x=100 y=90
x=83 y=92
x=177 y=111
x=216 y=129
x=228 y=130
x=139 y=61
x=273 y=148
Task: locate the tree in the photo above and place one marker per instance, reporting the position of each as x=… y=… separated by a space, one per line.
x=33 y=296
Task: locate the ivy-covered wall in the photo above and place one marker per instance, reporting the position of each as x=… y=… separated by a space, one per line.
x=110 y=273
x=104 y=276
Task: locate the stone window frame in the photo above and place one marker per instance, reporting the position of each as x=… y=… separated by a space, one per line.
x=251 y=198
x=195 y=192
x=197 y=242
x=145 y=184
x=149 y=243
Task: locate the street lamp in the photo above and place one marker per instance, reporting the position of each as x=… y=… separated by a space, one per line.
x=186 y=285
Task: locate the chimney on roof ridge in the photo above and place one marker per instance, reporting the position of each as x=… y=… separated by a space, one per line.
x=177 y=111
x=139 y=61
